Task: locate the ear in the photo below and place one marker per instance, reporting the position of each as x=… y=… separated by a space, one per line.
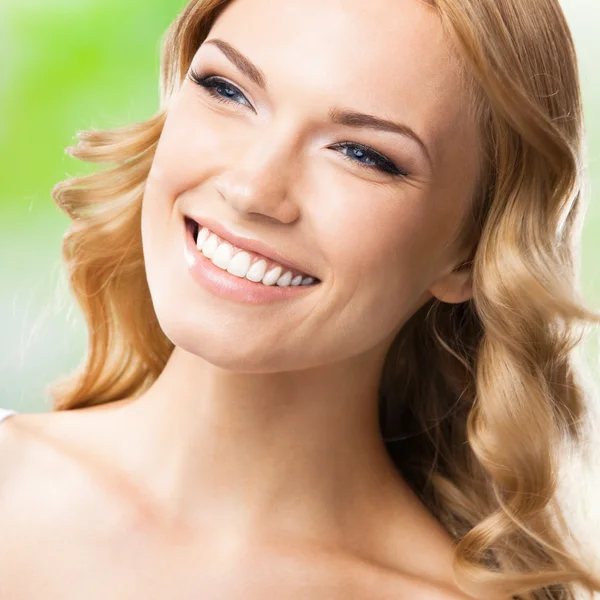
x=454 y=287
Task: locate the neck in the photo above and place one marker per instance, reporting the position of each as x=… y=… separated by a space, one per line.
x=295 y=451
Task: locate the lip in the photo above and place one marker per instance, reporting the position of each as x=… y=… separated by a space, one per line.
x=250 y=244
x=226 y=285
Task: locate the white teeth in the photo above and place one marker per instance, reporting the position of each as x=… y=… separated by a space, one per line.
x=257 y=271
x=222 y=256
x=285 y=279
x=209 y=247
x=202 y=237
x=240 y=264
x=272 y=276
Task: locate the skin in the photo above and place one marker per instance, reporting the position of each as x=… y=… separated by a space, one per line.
x=254 y=464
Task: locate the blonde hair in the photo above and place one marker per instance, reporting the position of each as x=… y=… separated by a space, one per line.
x=480 y=436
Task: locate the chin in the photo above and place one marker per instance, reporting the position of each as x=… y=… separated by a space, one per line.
x=241 y=352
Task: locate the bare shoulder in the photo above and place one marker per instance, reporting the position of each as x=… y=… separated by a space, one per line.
x=49 y=487
x=413 y=555
x=407 y=587
x=340 y=575
x=27 y=474
x=21 y=437
x=13 y=447
x=42 y=436
x=39 y=466
x=43 y=448
x=23 y=453
x=47 y=492
x=396 y=585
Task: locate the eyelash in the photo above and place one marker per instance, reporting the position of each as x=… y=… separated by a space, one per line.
x=383 y=165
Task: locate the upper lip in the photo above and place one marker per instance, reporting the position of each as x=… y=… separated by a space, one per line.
x=250 y=244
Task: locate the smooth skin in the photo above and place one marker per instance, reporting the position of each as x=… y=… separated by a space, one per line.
x=254 y=467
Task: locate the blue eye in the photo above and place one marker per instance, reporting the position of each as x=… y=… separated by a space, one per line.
x=215 y=86
x=377 y=161
x=222 y=91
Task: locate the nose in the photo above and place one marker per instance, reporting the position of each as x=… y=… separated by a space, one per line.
x=261 y=181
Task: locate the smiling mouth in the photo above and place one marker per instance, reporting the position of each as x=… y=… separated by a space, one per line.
x=244 y=263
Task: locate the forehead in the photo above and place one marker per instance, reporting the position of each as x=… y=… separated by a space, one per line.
x=390 y=58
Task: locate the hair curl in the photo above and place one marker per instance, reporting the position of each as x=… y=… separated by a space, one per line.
x=480 y=437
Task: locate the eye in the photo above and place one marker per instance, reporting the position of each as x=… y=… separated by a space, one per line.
x=223 y=91
x=218 y=88
x=375 y=160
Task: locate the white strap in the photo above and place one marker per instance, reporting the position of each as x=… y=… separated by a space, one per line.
x=4 y=413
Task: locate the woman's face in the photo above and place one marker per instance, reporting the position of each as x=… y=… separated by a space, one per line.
x=268 y=163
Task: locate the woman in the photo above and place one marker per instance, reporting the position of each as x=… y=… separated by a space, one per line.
x=331 y=297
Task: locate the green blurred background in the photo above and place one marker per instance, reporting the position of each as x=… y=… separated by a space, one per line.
x=68 y=65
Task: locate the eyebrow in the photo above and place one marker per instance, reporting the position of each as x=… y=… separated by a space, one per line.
x=339 y=116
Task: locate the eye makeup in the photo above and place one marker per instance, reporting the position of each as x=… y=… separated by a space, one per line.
x=222 y=91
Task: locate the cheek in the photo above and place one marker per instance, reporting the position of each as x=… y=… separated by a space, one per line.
x=179 y=166
x=154 y=244
x=171 y=173
x=186 y=151
x=384 y=239
x=380 y=254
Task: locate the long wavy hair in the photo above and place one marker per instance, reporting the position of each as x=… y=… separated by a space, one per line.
x=478 y=437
